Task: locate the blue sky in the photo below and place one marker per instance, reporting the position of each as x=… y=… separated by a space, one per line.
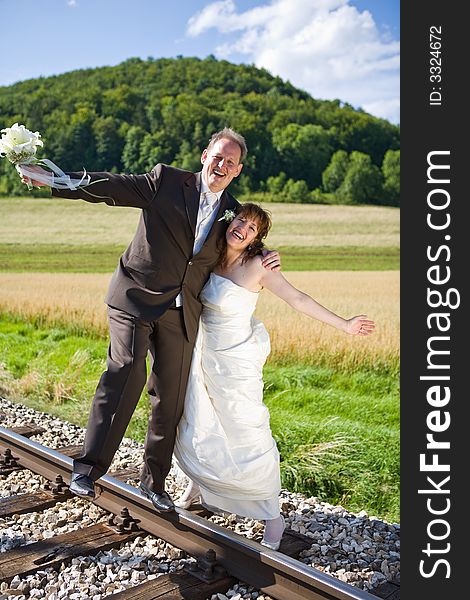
x=346 y=49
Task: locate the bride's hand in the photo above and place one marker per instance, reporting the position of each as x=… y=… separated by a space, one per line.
x=359 y=325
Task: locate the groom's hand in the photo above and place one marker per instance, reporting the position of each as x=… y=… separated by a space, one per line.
x=271 y=260
x=35 y=169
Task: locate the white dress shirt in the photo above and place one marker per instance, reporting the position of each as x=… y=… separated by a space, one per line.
x=206 y=213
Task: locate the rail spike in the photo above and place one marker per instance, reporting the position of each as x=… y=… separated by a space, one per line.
x=207 y=568
x=8 y=462
x=58 y=488
x=123 y=523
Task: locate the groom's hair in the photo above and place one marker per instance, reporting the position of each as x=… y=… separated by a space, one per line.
x=229 y=134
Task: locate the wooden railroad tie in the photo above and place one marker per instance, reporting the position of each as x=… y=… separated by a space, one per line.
x=51 y=553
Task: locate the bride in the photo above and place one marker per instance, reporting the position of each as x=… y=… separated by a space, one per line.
x=224 y=443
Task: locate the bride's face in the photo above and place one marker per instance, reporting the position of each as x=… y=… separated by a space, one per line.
x=241 y=232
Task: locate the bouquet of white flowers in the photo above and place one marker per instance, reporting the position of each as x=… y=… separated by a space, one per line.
x=19 y=146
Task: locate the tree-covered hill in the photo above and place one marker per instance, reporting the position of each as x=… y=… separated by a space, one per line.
x=128 y=117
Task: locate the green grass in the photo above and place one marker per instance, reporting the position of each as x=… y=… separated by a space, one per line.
x=340 y=258
x=40 y=224
x=356 y=413
x=54 y=258
x=337 y=432
x=53 y=234
x=75 y=222
x=310 y=405
x=103 y=258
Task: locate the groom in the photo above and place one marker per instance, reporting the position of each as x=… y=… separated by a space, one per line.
x=153 y=303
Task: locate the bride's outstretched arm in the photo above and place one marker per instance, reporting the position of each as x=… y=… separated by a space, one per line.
x=278 y=285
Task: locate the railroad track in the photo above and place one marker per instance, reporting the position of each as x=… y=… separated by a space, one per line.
x=221 y=557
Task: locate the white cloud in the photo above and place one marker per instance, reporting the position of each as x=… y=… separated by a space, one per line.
x=72 y=3
x=326 y=47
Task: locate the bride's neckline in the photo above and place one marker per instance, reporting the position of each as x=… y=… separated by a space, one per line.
x=237 y=284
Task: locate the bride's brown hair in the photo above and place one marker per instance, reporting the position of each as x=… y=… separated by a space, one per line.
x=262 y=218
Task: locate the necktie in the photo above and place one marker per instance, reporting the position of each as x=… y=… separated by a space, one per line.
x=207 y=204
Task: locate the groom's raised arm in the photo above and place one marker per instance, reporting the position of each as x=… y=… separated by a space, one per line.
x=116 y=190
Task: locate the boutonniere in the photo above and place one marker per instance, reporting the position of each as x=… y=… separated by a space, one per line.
x=228 y=216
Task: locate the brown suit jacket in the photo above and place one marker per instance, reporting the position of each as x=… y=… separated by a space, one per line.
x=159 y=262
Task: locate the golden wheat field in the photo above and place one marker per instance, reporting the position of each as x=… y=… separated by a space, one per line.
x=76 y=300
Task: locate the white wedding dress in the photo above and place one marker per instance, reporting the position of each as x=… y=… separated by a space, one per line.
x=224 y=441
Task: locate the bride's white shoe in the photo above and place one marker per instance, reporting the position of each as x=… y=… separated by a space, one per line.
x=274 y=545
x=191 y=495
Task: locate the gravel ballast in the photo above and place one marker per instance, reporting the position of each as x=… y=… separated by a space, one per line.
x=359 y=549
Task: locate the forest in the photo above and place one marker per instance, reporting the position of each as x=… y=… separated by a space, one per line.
x=128 y=117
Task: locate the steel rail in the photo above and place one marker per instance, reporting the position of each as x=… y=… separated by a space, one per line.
x=278 y=575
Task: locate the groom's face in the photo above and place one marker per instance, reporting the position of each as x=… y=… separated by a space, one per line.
x=221 y=164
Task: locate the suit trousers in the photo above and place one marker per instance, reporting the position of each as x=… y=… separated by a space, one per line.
x=120 y=388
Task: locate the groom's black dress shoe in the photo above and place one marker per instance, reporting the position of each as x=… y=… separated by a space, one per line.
x=82 y=485
x=162 y=502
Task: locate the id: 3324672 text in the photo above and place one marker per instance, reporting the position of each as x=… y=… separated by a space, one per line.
x=435 y=65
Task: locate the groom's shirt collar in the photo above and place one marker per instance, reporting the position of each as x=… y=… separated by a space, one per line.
x=205 y=188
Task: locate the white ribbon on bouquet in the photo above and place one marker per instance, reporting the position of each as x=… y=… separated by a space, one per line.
x=19 y=146
x=57 y=179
